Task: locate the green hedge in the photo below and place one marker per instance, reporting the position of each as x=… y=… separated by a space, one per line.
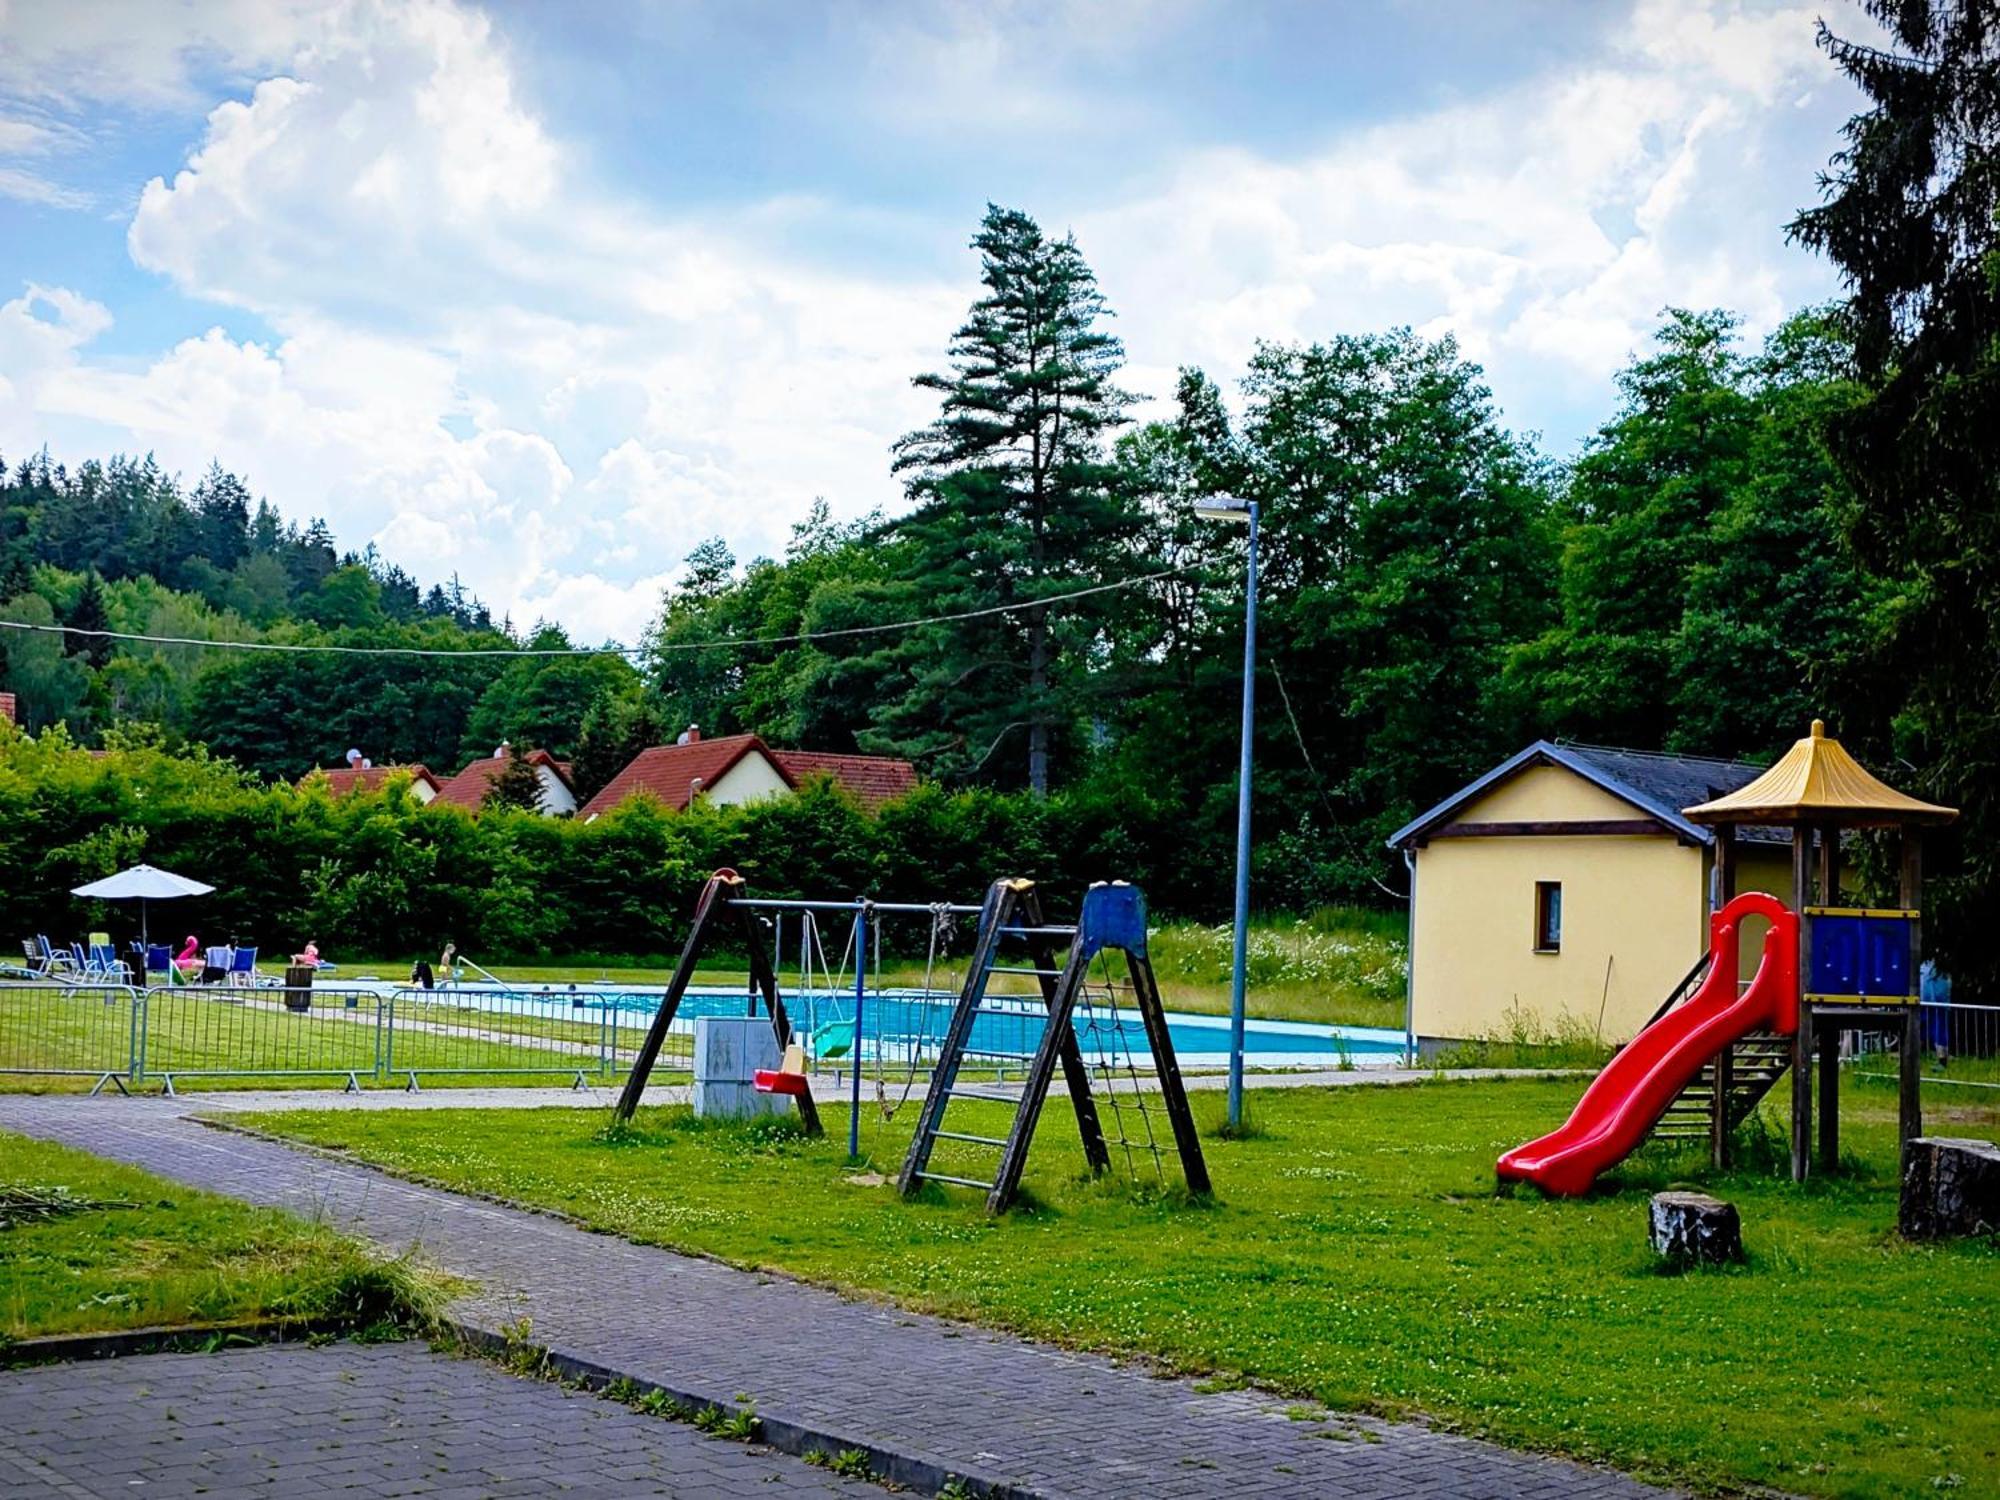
x=379 y=875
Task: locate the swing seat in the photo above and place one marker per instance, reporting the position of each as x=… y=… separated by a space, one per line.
x=787 y=1078
x=834 y=1039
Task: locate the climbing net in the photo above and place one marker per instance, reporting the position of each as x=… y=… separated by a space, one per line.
x=1104 y=1036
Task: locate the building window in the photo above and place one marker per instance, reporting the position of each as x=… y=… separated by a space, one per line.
x=1548 y=916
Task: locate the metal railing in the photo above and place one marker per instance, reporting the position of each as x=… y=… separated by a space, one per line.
x=1961 y=1046
x=71 y=1030
x=119 y=1035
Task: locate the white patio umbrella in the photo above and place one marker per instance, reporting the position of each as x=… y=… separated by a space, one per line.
x=143 y=883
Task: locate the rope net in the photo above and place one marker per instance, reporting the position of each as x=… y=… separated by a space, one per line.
x=1104 y=1036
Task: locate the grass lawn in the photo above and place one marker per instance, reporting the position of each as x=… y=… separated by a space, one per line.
x=189 y=1031
x=1358 y=1254
x=175 y=1256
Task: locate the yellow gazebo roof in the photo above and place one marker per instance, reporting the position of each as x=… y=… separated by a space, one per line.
x=1817 y=782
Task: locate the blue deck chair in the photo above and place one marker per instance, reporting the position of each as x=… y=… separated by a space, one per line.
x=243 y=966
x=54 y=959
x=160 y=960
x=106 y=964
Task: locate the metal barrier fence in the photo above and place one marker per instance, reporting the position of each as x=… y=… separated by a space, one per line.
x=83 y=1031
x=119 y=1035
x=1961 y=1046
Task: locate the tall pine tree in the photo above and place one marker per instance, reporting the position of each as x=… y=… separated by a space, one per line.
x=1911 y=216
x=1015 y=500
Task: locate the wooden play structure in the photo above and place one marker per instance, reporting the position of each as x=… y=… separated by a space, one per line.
x=1084 y=1013
x=1716 y=1046
x=1858 y=966
x=1113 y=919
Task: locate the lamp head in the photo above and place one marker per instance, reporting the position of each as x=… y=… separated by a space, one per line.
x=1224 y=509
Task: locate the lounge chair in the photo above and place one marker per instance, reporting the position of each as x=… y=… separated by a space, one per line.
x=216 y=968
x=36 y=964
x=104 y=963
x=160 y=960
x=243 y=966
x=54 y=960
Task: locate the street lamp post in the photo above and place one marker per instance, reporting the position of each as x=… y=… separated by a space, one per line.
x=1242 y=512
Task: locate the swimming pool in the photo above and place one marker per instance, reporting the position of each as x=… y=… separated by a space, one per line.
x=900 y=1026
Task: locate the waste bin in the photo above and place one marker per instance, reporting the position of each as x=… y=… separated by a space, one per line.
x=298 y=987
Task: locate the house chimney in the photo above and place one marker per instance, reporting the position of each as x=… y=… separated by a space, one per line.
x=689 y=735
x=355 y=760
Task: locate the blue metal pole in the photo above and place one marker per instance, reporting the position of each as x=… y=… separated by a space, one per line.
x=860 y=994
x=1240 y=963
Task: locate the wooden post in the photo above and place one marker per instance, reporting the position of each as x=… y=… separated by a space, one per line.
x=1829 y=1099
x=1910 y=1105
x=1725 y=864
x=1829 y=866
x=1802 y=1039
x=1718 y=1104
x=1910 y=1113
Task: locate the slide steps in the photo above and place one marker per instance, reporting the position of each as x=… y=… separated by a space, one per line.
x=1757 y=1062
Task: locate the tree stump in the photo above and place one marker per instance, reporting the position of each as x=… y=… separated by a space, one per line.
x=1693 y=1229
x=1950 y=1187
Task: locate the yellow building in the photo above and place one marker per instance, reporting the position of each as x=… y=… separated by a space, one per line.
x=1562 y=893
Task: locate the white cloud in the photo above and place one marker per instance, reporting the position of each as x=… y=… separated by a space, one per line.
x=486 y=361
x=146 y=53
x=464 y=331
x=1546 y=224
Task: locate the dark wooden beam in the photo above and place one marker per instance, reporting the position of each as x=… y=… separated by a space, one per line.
x=1802 y=1039
x=1551 y=828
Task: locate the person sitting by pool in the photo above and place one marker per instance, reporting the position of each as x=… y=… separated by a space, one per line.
x=189 y=960
x=309 y=959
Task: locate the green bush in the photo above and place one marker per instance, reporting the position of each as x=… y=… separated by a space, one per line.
x=380 y=875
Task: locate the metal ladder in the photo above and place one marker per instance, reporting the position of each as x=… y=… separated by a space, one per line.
x=1113 y=917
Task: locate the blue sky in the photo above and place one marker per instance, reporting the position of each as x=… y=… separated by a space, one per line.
x=546 y=294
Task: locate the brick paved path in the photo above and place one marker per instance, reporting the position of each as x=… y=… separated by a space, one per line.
x=394 y=1419
x=940 y=1397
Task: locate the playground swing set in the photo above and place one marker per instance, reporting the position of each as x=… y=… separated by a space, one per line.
x=1827 y=969
x=1076 y=1004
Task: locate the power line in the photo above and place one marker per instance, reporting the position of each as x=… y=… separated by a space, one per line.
x=800 y=638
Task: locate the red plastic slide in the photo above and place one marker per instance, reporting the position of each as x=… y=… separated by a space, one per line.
x=1635 y=1088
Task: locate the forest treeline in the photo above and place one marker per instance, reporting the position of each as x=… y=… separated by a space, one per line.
x=1759 y=533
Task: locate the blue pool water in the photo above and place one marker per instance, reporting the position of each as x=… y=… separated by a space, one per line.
x=897 y=1023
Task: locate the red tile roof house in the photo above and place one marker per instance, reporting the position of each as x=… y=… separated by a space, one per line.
x=341 y=780
x=7 y=708
x=742 y=768
x=469 y=787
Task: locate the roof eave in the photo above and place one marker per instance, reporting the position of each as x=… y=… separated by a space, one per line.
x=1554 y=754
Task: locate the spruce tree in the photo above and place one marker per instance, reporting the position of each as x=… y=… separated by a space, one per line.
x=517 y=785
x=1911 y=216
x=1014 y=500
x=88 y=613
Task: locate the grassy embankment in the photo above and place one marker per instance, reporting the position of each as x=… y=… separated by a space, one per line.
x=131 y=1250
x=1357 y=1254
